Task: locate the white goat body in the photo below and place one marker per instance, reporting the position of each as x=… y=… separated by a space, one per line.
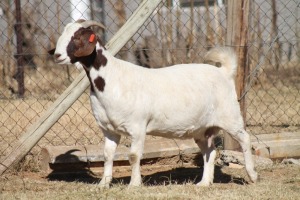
x=181 y=101
x=171 y=102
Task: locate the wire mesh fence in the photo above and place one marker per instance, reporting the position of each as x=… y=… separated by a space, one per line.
x=179 y=31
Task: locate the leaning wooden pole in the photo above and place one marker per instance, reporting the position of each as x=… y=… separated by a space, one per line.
x=70 y=95
x=237 y=37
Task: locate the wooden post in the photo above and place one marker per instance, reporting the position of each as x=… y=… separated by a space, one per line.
x=70 y=95
x=119 y=7
x=19 y=76
x=237 y=37
x=274 y=34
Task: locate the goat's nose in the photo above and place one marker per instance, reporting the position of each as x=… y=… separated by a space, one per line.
x=57 y=55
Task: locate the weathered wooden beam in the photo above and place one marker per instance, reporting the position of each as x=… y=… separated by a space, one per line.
x=274 y=146
x=69 y=96
x=77 y=155
x=277 y=145
x=237 y=37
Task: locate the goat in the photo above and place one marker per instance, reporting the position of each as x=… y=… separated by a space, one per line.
x=180 y=101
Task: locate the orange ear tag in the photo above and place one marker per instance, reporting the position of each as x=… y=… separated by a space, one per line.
x=92 y=38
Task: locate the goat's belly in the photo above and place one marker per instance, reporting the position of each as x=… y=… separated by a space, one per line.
x=184 y=123
x=180 y=134
x=178 y=129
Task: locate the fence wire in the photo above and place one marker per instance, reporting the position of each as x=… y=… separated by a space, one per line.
x=179 y=31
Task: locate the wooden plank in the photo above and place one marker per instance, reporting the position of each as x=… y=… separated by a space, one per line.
x=274 y=146
x=237 y=37
x=94 y=153
x=69 y=96
x=278 y=145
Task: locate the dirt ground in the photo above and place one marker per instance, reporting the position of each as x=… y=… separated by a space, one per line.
x=279 y=181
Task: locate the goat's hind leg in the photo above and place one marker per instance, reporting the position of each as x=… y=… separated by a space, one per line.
x=110 y=144
x=244 y=140
x=233 y=124
x=136 y=152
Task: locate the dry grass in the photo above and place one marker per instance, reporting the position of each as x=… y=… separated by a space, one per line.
x=277 y=182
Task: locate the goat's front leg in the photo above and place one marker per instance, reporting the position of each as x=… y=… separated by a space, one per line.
x=110 y=144
x=209 y=155
x=136 y=152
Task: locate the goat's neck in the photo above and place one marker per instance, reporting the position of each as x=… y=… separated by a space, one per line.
x=106 y=60
x=101 y=58
x=97 y=59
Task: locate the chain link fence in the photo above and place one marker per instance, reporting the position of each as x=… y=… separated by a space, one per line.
x=179 y=31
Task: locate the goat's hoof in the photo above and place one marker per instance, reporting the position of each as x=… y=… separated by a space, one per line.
x=103 y=184
x=132 y=185
x=203 y=184
x=255 y=178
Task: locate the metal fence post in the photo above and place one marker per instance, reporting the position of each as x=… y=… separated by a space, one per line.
x=19 y=76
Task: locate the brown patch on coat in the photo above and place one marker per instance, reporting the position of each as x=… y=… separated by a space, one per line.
x=89 y=77
x=132 y=158
x=99 y=83
x=79 y=48
x=210 y=133
x=100 y=60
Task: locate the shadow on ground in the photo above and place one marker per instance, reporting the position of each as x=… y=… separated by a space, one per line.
x=182 y=176
x=174 y=176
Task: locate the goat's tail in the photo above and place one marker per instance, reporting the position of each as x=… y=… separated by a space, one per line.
x=225 y=57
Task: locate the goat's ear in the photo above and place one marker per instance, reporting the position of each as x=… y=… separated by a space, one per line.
x=51 y=52
x=85 y=44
